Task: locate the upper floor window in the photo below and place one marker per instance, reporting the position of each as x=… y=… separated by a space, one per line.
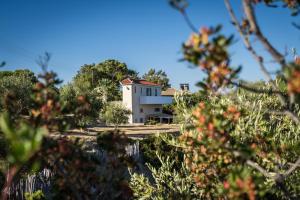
x=148 y=92
x=157 y=109
x=134 y=89
x=141 y=90
x=155 y=91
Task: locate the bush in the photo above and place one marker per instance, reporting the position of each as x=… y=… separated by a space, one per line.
x=37 y=195
x=15 y=94
x=71 y=99
x=151 y=122
x=153 y=145
x=261 y=136
x=170 y=182
x=116 y=114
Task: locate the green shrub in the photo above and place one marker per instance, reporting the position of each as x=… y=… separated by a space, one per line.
x=170 y=182
x=37 y=195
x=116 y=114
x=151 y=122
x=152 y=145
x=15 y=93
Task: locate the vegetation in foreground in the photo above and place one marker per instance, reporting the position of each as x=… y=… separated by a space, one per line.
x=239 y=144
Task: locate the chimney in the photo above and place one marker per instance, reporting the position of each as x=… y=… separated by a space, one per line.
x=185 y=87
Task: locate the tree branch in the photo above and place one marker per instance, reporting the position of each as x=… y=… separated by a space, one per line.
x=189 y=22
x=259 y=168
x=255 y=90
x=259 y=59
x=296 y=25
x=249 y=47
x=248 y=8
x=292 y=168
x=9 y=180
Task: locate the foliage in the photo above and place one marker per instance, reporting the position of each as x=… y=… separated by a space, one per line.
x=15 y=87
x=77 y=173
x=209 y=50
x=47 y=110
x=81 y=175
x=37 y=195
x=292 y=74
x=22 y=73
x=151 y=122
x=117 y=164
x=153 y=145
x=169 y=108
x=241 y=144
x=169 y=183
x=108 y=90
x=94 y=75
x=23 y=141
x=159 y=77
x=181 y=98
x=85 y=108
x=183 y=103
x=2 y=64
x=293 y=5
x=116 y=114
x=218 y=160
x=68 y=97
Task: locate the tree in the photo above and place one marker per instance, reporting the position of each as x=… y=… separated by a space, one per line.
x=2 y=64
x=68 y=96
x=94 y=76
x=72 y=99
x=15 y=89
x=116 y=113
x=159 y=77
x=108 y=90
x=23 y=73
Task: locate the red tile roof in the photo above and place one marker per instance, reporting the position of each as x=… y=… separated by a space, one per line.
x=129 y=81
x=126 y=81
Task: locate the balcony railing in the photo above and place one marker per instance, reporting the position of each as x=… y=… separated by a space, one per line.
x=155 y=100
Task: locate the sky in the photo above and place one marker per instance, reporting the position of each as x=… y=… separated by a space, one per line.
x=142 y=33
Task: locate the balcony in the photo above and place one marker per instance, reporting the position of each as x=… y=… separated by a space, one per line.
x=155 y=100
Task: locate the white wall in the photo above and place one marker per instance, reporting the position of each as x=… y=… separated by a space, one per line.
x=127 y=99
x=131 y=99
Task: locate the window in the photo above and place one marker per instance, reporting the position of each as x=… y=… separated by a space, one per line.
x=141 y=110
x=141 y=120
x=134 y=89
x=157 y=109
x=155 y=91
x=148 y=92
x=141 y=90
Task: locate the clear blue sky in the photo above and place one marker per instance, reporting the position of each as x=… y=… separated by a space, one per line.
x=141 y=33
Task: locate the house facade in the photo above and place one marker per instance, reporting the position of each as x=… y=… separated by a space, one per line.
x=143 y=99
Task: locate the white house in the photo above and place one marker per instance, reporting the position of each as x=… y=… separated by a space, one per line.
x=144 y=100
